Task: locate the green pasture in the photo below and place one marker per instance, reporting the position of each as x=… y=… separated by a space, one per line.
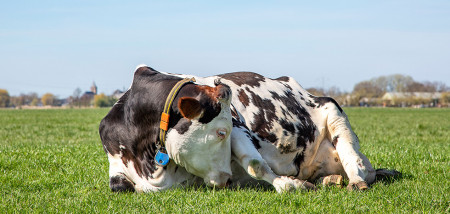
x=52 y=161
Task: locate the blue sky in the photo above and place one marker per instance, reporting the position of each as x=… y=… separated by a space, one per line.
x=57 y=46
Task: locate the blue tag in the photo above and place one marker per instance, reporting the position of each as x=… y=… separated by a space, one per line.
x=161 y=158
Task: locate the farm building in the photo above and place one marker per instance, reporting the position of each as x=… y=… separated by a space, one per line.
x=403 y=99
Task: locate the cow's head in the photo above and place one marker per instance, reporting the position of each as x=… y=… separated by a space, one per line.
x=200 y=141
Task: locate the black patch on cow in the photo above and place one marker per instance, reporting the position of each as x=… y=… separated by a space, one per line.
x=271 y=137
x=211 y=110
x=241 y=78
x=335 y=140
x=183 y=126
x=264 y=119
x=305 y=132
x=120 y=184
x=310 y=104
x=285 y=149
x=283 y=79
x=234 y=114
x=320 y=101
x=243 y=98
x=287 y=126
x=255 y=142
x=237 y=123
x=304 y=126
x=298 y=160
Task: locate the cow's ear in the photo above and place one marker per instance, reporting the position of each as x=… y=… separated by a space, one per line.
x=189 y=107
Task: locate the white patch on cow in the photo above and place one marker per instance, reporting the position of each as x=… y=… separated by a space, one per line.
x=281 y=164
x=201 y=151
x=325 y=161
x=160 y=180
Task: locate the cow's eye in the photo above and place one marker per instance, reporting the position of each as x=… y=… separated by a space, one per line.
x=221 y=133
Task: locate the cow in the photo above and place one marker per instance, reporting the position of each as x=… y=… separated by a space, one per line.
x=197 y=138
x=232 y=129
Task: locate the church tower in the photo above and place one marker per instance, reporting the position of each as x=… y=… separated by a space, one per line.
x=94 y=88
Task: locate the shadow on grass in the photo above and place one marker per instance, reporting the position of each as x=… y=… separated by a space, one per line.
x=384 y=176
x=387 y=176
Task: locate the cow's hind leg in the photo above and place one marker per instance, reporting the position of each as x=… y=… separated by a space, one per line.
x=356 y=165
x=251 y=160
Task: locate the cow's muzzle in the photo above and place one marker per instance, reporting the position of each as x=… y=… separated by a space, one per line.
x=221 y=181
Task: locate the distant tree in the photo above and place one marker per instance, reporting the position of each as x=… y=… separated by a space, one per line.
x=34 y=102
x=4 y=98
x=368 y=89
x=445 y=98
x=24 y=99
x=76 y=97
x=48 y=99
x=319 y=92
x=441 y=87
x=101 y=100
x=415 y=87
x=333 y=91
x=398 y=82
x=391 y=83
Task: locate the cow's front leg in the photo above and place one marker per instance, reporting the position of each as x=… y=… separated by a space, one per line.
x=251 y=160
x=356 y=165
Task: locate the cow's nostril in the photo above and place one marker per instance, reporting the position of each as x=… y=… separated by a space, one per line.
x=228 y=183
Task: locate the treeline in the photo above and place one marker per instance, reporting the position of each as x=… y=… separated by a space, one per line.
x=50 y=100
x=392 y=90
x=402 y=90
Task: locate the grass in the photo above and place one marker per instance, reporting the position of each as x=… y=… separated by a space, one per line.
x=53 y=161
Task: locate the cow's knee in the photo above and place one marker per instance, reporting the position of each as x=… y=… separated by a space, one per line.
x=120 y=183
x=256 y=168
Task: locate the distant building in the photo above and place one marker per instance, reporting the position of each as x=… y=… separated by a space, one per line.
x=94 y=88
x=88 y=96
x=403 y=99
x=117 y=94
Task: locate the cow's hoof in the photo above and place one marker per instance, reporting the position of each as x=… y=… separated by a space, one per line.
x=362 y=185
x=332 y=180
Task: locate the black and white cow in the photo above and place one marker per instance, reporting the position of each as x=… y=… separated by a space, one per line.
x=273 y=131
x=197 y=141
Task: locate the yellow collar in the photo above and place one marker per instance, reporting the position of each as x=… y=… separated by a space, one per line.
x=161 y=157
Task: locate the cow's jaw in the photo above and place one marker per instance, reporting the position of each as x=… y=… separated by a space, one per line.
x=203 y=150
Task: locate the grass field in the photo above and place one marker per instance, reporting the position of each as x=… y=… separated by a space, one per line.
x=53 y=161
